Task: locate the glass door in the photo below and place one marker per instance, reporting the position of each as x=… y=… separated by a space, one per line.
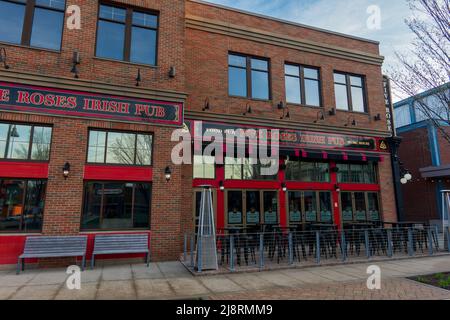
x=253 y=208
x=326 y=214
x=270 y=206
x=295 y=207
x=310 y=206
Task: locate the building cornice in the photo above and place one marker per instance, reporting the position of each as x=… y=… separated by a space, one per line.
x=281 y=124
x=252 y=34
x=90 y=86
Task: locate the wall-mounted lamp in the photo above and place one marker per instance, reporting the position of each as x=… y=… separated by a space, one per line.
x=320 y=117
x=332 y=112
x=286 y=114
x=221 y=186
x=206 y=105
x=334 y=169
x=352 y=122
x=75 y=62
x=138 y=78
x=377 y=117
x=172 y=72
x=66 y=170
x=337 y=188
x=280 y=105
x=248 y=109
x=168 y=174
x=3 y=58
x=283 y=187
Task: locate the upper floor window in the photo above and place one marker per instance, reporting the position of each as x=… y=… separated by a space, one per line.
x=36 y=23
x=357 y=173
x=244 y=169
x=302 y=85
x=248 y=77
x=349 y=91
x=25 y=142
x=120 y=148
x=307 y=171
x=126 y=34
x=203 y=167
x=402 y=116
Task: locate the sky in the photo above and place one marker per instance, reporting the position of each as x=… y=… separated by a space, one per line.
x=344 y=16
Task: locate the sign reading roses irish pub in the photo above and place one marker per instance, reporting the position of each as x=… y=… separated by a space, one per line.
x=41 y=100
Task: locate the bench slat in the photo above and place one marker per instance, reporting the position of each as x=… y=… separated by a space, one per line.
x=109 y=244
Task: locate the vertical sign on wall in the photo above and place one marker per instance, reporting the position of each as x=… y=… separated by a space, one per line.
x=389 y=107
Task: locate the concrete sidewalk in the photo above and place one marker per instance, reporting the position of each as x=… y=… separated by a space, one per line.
x=170 y=280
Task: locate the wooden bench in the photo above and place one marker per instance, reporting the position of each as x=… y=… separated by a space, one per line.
x=53 y=247
x=121 y=244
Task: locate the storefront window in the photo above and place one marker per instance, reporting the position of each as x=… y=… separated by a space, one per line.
x=325 y=207
x=22 y=205
x=360 y=206
x=204 y=167
x=120 y=148
x=295 y=206
x=270 y=207
x=116 y=205
x=25 y=142
x=357 y=173
x=374 y=209
x=234 y=215
x=243 y=169
x=347 y=206
x=253 y=216
x=307 y=171
x=310 y=206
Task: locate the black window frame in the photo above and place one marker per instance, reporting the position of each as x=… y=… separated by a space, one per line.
x=256 y=166
x=129 y=9
x=367 y=206
x=302 y=81
x=28 y=20
x=30 y=144
x=103 y=182
x=366 y=165
x=136 y=133
x=316 y=173
x=249 y=69
x=349 y=86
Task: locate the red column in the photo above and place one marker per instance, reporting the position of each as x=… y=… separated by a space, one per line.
x=282 y=196
x=220 y=176
x=335 y=195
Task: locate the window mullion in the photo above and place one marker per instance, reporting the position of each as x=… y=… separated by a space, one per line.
x=349 y=93
x=249 y=78
x=127 y=40
x=106 y=147
x=28 y=22
x=302 y=86
x=7 y=142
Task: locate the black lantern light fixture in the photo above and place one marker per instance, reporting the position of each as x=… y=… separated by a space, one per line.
x=332 y=112
x=351 y=121
x=75 y=62
x=168 y=173
x=405 y=174
x=337 y=188
x=3 y=58
x=286 y=114
x=206 y=105
x=66 y=170
x=320 y=116
x=138 y=78
x=280 y=105
x=221 y=186
x=248 y=109
x=284 y=187
x=377 y=117
x=172 y=72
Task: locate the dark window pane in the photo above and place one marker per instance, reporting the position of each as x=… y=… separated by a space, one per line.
x=360 y=206
x=293 y=90
x=55 y=4
x=145 y=20
x=237 y=61
x=325 y=207
x=347 y=206
x=311 y=73
x=11 y=21
x=270 y=202
x=310 y=206
x=343 y=172
x=253 y=215
x=260 y=85
x=234 y=215
x=144 y=150
x=117 y=206
x=312 y=93
x=141 y=213
x=295 y=206
x=237 y=82
x=322 y=172
x=110 y=40
x=341 y=96
x=40 y=149
x=34 y=205
x=357 y=173
x=93 y=192
x=358 y=99
x=47 y=29
x=291 y=70
x=307 y=172
x=96 y=148
x=19 y=142
x=258 y=64
x=374 y=207
x=11 y=204
x=120 y=148
x=4 y=128
x=112 y=13
x=292 y=171
x=143 y=46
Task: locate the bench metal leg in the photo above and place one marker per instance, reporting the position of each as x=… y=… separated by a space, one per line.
x=83 y=263
x=23 y=264
x=18 y=266
x=93 y=261
x=147 y=258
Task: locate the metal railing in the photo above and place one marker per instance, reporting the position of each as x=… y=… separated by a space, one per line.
x=281 y=248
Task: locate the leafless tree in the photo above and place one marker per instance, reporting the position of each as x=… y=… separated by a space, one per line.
x=427 y=64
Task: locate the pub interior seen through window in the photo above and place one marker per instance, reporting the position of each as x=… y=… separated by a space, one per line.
x=21 y=205
x=116 y=206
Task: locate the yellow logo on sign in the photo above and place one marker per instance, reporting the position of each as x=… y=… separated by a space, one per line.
x=383 y=145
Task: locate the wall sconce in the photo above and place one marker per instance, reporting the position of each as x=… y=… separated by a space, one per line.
x=248 y=109
x=334 y=169
x=138 y=78
x=221 y=186
x=337 y=188
x=172 y=72
x=3 y=58
x=377 y=117
x=66 y=170
x=206 y=105
x=320 y=117
x=283 y=187
x=75 y=62
x=332 y=112
x=168 y=174
x=353 y=122
x=280 y=105
x=286 y=114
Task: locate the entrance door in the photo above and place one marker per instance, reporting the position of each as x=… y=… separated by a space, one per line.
x=309 y=206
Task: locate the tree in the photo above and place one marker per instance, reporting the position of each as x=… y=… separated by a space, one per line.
x=427 y=64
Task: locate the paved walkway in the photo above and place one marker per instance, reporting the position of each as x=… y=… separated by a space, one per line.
x=170 y=280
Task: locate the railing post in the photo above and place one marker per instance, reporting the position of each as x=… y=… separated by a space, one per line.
x=199 y=254
x=192 y=249
x=389 y=243
x=367 y=243
x=436 y=232
x=430 y=241
x=317 y=247
x=291 y=249
x=410 y=242
x=231 y=253
x=343 y=246
x=185 y=247
x=447 y=232
x=261 y=251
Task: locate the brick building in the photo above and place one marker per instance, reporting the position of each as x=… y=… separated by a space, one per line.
x=101 y=103
x=425 y=152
